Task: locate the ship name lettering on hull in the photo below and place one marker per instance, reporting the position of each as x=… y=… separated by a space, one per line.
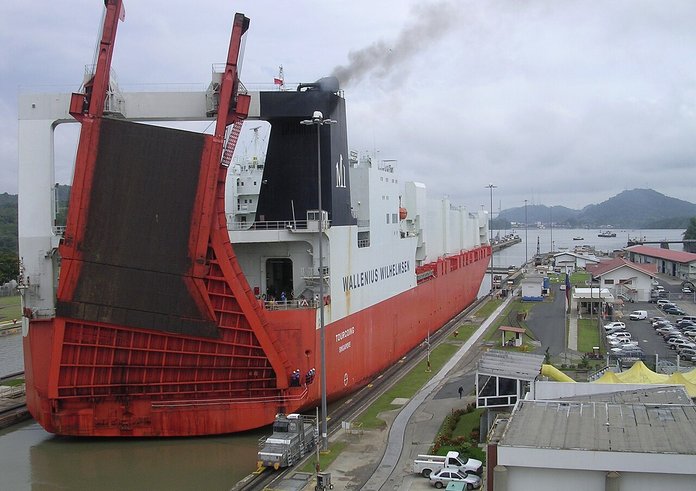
x=357 y=280
x=343 y=335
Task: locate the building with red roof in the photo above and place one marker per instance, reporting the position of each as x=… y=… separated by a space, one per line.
x=680 y=264
x=626 y=280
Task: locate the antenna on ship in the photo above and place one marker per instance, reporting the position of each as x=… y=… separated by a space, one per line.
x=280 y=79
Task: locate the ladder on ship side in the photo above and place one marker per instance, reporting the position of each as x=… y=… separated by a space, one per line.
x=231 y=143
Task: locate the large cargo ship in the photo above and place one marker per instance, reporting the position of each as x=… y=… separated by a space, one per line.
x=157 y=312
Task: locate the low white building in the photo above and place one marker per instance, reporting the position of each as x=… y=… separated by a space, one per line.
x=638 y=440
x=533 y=287
x=590 y=300
x=571 y=261
x=626 y=280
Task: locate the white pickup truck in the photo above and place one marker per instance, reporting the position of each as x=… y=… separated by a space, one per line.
x=427 y=464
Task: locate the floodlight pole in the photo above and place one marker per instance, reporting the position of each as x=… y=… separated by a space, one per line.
x=526 y=260
x=490 y=227
x=318 y=120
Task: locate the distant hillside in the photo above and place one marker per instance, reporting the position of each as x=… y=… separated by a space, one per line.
x=638 y=208
x=8 y=223
x=539 y=213
x=8 y=217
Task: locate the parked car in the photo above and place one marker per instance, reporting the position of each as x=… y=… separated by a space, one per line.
x=664 y=323
x=662 y=302
x=666 y=306
x=687 y=352
x=614 y=324
x=684 y=323
x=441 y=478
x=673 y=310
x=615 y=330
x=637 y=315
x=670 y=335
x=680 y=341
x=622 y=342
x=687 y=290
x=629 y=353
x=620 y=334
x=689 y=345
x=657 y=319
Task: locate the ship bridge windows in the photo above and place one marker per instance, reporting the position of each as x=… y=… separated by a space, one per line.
x=364 y=238
x=279 y=283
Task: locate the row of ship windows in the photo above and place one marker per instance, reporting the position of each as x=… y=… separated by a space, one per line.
x=245 y=200
x=241 y=183
x=387 y=179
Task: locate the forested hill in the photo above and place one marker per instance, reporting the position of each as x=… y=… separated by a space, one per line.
x=8 y=217
x=638 y=208
x=8 y=222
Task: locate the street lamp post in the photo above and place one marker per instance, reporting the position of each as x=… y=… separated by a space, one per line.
x=318 y=120
x=525 y=234
x=490 y=227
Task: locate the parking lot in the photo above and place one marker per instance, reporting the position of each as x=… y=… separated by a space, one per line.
x=642 y=331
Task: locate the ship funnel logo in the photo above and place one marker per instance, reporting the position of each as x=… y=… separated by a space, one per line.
x=340 y=173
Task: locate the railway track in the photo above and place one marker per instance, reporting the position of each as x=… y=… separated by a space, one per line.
x=13 y=408
x=347 y=409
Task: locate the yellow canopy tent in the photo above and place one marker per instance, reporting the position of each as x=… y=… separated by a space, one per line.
x=640 y=374
x=608 y=378
x=679 y=378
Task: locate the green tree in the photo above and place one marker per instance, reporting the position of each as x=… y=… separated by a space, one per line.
x=9 y=267
x=690 y=234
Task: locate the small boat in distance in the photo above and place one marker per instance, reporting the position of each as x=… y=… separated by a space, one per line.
x=578 y=238
x=606 y=233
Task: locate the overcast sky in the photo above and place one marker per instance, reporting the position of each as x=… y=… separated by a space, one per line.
x=560 y=103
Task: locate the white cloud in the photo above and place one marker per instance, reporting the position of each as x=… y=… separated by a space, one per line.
x=556 y=102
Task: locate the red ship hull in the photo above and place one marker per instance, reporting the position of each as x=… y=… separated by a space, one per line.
x=357 y=348
x=156 y=330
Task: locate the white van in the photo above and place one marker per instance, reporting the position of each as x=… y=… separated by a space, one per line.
x=637 y=315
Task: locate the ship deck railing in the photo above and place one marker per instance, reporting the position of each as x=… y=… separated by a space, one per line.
x=311 y=225
x=295 y=304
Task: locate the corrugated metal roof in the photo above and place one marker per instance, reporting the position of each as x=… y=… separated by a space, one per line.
x=648 y=395
x=509 y=364
x=668 y=254
x=603 y=426
x=616 y=263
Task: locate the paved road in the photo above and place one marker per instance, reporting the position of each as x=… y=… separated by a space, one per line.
x=547 y=322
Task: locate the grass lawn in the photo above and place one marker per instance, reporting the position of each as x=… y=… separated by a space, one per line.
x=579 y=278
x=490 y=306
x=409 y=385
x=10 y=308
x=13 y=382
x=588 y=335
x=509 y=317
x=325 y=458
x=467 y=423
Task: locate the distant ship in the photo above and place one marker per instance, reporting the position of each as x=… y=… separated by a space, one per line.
x=170 y=317
x=578 y=238
x=606 y=233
